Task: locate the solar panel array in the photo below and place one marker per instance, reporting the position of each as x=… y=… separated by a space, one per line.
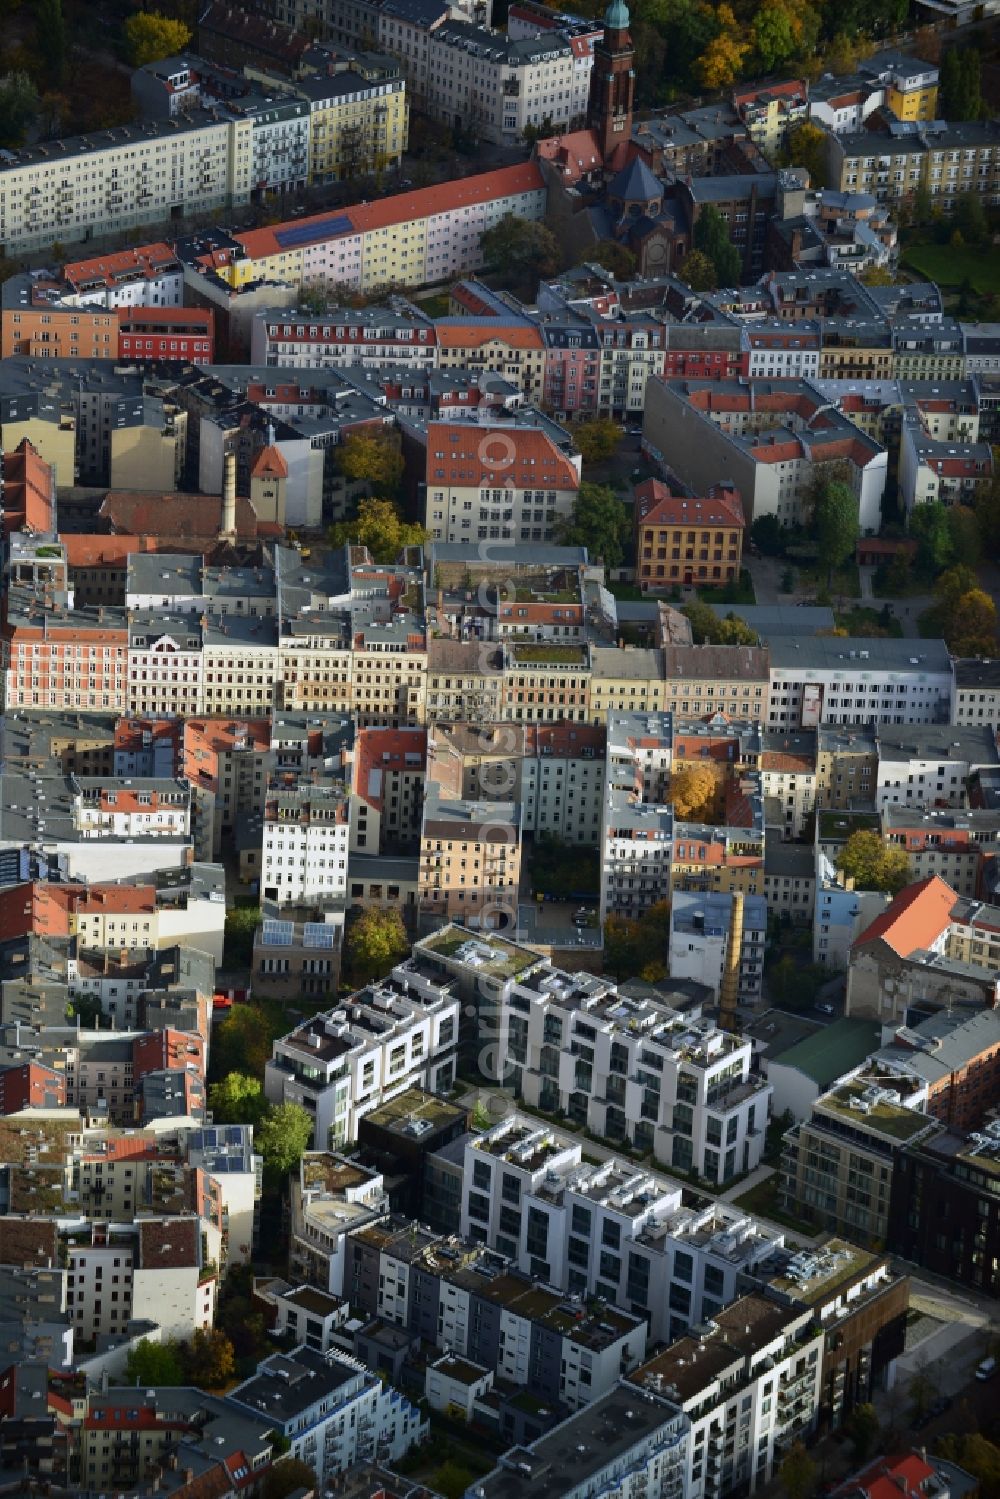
x=318 y=934
x=304 y=234
x=277 y=933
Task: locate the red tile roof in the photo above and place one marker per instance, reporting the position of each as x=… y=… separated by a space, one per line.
x=403 y=208
x=915 y=919
x=658 y=507
x=269 y=463
x=516 y=336
x=889 y=1478
x=521 y=457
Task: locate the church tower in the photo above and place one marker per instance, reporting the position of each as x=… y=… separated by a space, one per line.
x=612 y=82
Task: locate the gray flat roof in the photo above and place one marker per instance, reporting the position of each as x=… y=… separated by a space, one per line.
x=860 y=653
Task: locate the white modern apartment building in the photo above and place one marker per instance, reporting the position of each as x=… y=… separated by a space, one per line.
x=497 y=85
x=396 y=335
x=613 y=1230
x=158 y=1269
x=750 y=1384
x=635 y=1070
x=332 y=1411
x=397 y=1034
x=858 y=680
x=305 y=843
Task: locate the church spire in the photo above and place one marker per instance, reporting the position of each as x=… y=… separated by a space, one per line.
x=612 y=82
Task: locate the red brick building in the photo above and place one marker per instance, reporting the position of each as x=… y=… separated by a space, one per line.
x=154 y=333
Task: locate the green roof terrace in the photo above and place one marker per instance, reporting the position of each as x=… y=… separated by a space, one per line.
x=875 y=1109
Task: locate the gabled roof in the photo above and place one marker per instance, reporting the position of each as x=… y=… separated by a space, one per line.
x=915 y=919
x=269 y=464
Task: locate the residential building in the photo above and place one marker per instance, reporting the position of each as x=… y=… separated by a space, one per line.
x=750 y=1385
x=226 y=765
x=955 y=1057
x=423 y=237
x=788 y=779
x=837 y=1166
x=944 y=1213
x=358 y=120
x=333 y=1412
x=944 y=158
x=854 y=680
x=703 y=679
x=385 y=1039
x=766 y=438
x=618 y=1442
x=932 y=470
x=305 y=843
x=511 y=484
x=770 y=111
x=929 y=765
x=157 y=1265
x=958 y=846
x=470 y=1302
x=686 y=541
x=702 y=935
x=331 y=1199
x=846 y=765
x=470 y=860
x=464 y=681
x=344 y=337
x=828 y=1054
x=789 y=879
x=977 y=692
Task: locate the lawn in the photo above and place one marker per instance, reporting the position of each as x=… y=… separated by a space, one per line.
x=846 y=582
x=731 y=593
x=950 y=267
x=762 y=1200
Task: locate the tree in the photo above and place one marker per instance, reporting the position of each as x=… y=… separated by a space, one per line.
x=616 y=258
x=877 y=275
x=987 y=507
x=242 y=1043
x=872 y=865
x=50 y=38
x=966 y=540
x=719 y=65
x=736 y=631
x=209 y=1360
x=525 y=247
x=711 y=236
x=960 y=84
x=151 y=1364
x=698 y=272
x=287 y=1475
x=863 y=1429
x=952 y=586
x=372 y=457
x=282 y=1137
x=978 y=1456
x=152 y=36
x=806 y=147
x=928 y=525
x=18 y=107
x=799 y=1474
x=970 y=218
x=638 y=949
x=774 y=36
x=796 y=984
x=768 y=535
x=708 y=628
x=696 y=791
x=375 y=941
x=237 y=1099
x=452 y=1480
x=835 y=523
x=599 y=522
x=241 y=924
x=597 y=439
x=378 y=526
x=971 y=630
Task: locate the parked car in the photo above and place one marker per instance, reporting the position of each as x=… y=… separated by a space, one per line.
x=987 y=1369
x=825 y=1009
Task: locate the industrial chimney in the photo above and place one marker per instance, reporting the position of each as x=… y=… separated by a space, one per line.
x=729 y=988
x=229 y=496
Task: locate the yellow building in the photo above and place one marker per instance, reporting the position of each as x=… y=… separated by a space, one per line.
x=911 y=88
x=358 y=124
x=625 y=682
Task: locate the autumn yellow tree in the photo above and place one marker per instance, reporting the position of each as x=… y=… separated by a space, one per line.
x=719 y=65
x=379 y=527
x=151 y=36
x=696 y=791
x=971 y=628
x=372 y=457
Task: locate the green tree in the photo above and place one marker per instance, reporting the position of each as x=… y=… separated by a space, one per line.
x=378 y=526
x=953 y=585
x=616 y=258
x=787 y=584
x=452 y=1480
x=237 y=1099
x=711 y=236
x=708 y=628
x=928 y=525
x=18 y=107
x=863 y=1430
x=243 y=1042
x=978 y=1456
x=152 y=36
x=50 y=39
x=774 y=37
x=525 y=247
x=768 y=536
x=372 y=456
x=877 y=275
x=599 y=522
x=282 y=1137
x=287 y=1475
x=872 y=865
x=150 y=1364
x=799 y=1475
x=598 y=439
x=241 y=923
x=960 y=84
x=638 y=948
x=209 y=1360
x=923 y=202
x=698 y=272
x=966 y=540
x=835 y=524
x=375 y=942
x=806 y=147
x=987 y=508
x=970 y=218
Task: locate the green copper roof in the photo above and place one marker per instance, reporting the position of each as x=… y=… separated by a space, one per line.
x=616 y=16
